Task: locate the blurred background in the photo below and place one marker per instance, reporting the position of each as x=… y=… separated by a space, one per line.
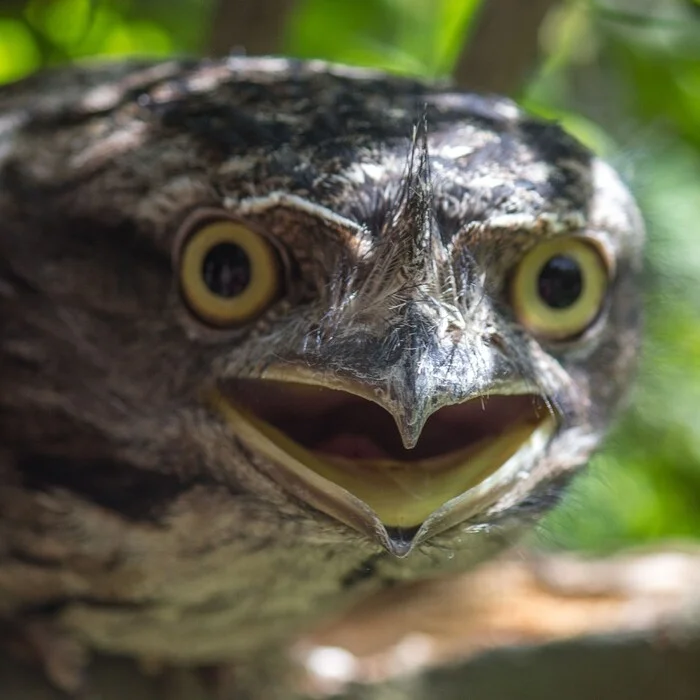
x=623 y=75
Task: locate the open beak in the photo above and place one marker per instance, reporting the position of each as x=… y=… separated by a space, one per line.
x=346 y=454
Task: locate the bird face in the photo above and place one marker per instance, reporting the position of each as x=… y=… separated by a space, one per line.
x=429 y=374
x=398 y=308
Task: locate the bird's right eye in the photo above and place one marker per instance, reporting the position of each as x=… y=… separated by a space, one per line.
x=229 y=274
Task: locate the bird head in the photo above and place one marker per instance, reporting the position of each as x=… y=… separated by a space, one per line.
x=397 y=307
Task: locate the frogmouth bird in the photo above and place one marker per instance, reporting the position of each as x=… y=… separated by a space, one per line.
x=279 y=334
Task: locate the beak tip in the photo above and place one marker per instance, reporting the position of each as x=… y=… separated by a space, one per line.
x=400 y=541
x=410 y=430
x=410 y=441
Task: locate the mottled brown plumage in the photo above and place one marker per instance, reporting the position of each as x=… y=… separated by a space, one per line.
x=133 y=515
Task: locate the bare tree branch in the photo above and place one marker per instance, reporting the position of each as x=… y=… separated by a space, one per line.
x=500 y=631
x=635 y=667
x=502 y=50
x=254 y=26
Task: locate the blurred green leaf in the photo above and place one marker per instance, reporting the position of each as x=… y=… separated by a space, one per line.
x=64 y=22
x=19 y=53
x=419 y=37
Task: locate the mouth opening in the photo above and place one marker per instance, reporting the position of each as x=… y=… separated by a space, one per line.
x=331 y=442
x=338 y=424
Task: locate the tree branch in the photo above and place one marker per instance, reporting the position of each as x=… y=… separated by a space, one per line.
x=254 y=26
x=502 y=51
x=527 y=628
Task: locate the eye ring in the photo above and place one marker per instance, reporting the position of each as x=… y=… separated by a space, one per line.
x=559 y=288
x=229 y=274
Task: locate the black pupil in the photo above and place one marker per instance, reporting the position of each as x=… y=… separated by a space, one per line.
x=226 y=270
x=560 y=282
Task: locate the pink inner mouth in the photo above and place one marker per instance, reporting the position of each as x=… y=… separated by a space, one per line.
x=340 y=424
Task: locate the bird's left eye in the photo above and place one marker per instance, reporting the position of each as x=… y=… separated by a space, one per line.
x=559 y=287
x=229 y=274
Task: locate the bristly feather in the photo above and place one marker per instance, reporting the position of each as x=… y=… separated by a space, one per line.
x=411 y=260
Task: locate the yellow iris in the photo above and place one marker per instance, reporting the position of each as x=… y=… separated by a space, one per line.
x=559 y=287
x=229 y=274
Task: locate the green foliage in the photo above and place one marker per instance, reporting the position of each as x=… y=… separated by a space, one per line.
x=419 y=37
x=46 y=32
x=624 y=76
